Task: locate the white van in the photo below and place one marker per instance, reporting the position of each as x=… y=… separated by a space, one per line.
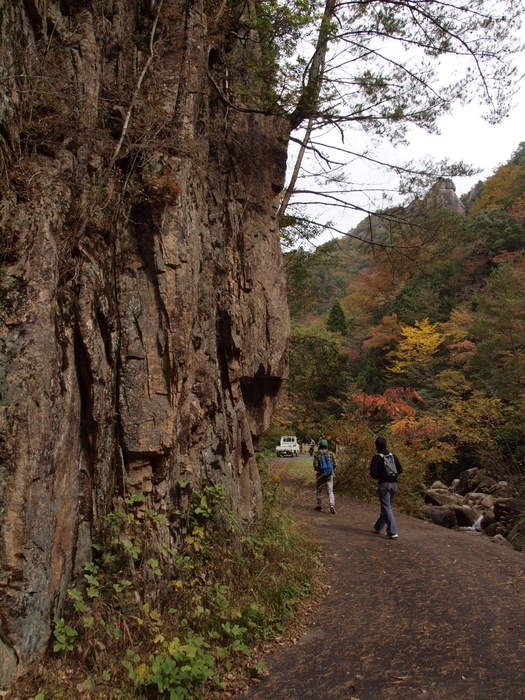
x=289 y=447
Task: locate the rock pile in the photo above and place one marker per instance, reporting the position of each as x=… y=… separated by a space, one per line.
x=476 y=501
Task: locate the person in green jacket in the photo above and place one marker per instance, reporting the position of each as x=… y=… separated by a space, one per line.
x=324 y=465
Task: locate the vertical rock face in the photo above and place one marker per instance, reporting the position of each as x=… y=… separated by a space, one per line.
x=143 y=316
x=442 y=195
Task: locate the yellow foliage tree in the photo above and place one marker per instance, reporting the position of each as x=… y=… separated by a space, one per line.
x=473 y=420
x=452 y=382
x=416 y=349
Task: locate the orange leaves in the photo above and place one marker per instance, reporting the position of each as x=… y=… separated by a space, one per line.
x=385 y=333
x=502 y=189
x=391 y=404
x=413 y=431
x=425 y=437
x=461 y=352
x=371 y=288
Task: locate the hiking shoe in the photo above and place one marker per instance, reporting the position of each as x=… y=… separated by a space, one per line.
x=376 y=531
x=332 y=510
x=393 y=537
x=318 y=508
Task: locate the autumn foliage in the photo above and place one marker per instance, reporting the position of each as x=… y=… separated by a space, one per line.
x=434 y=354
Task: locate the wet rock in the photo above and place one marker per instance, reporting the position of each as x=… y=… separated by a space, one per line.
x=478 y=502
x=488 y=517
x=466 y=516
x=495 y=528
x=440 y=515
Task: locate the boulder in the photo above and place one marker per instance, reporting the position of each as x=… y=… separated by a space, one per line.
x=442 y=497
x=486 y=483
x=468 y=481
x=475 y=498
x=466 y=516
x=509 y=509
x=502 y=489
x=487 y=502
x=440 y=515
x=439 y=485
x=474 y=480
x=495 y=528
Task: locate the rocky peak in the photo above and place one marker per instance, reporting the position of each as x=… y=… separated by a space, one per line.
x=442 y=195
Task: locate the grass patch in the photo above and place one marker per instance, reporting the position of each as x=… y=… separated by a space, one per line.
x=300 y=468
x=152 y=619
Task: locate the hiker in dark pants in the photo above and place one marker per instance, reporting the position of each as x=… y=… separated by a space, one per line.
x=385 y=468
x=324 y=465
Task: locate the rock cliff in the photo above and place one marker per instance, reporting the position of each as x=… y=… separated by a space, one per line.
x=143 y=314
x=442 y=195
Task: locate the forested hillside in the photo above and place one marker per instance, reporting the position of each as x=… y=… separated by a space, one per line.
x=415 y=326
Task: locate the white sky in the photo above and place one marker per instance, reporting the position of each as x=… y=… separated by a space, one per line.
x=463 y=136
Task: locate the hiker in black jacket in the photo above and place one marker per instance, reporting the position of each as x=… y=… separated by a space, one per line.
x=385 y=468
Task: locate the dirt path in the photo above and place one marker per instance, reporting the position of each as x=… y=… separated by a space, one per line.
x=435 y=614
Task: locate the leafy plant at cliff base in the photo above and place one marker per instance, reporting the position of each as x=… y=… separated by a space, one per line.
x=170 y=619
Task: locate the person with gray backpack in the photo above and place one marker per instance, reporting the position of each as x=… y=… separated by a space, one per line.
x=324 y=465
x=385 y=467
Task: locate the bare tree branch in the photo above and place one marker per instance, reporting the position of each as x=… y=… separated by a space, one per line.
x=137 y=87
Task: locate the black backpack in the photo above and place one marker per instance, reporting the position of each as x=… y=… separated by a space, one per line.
x=390 y=464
